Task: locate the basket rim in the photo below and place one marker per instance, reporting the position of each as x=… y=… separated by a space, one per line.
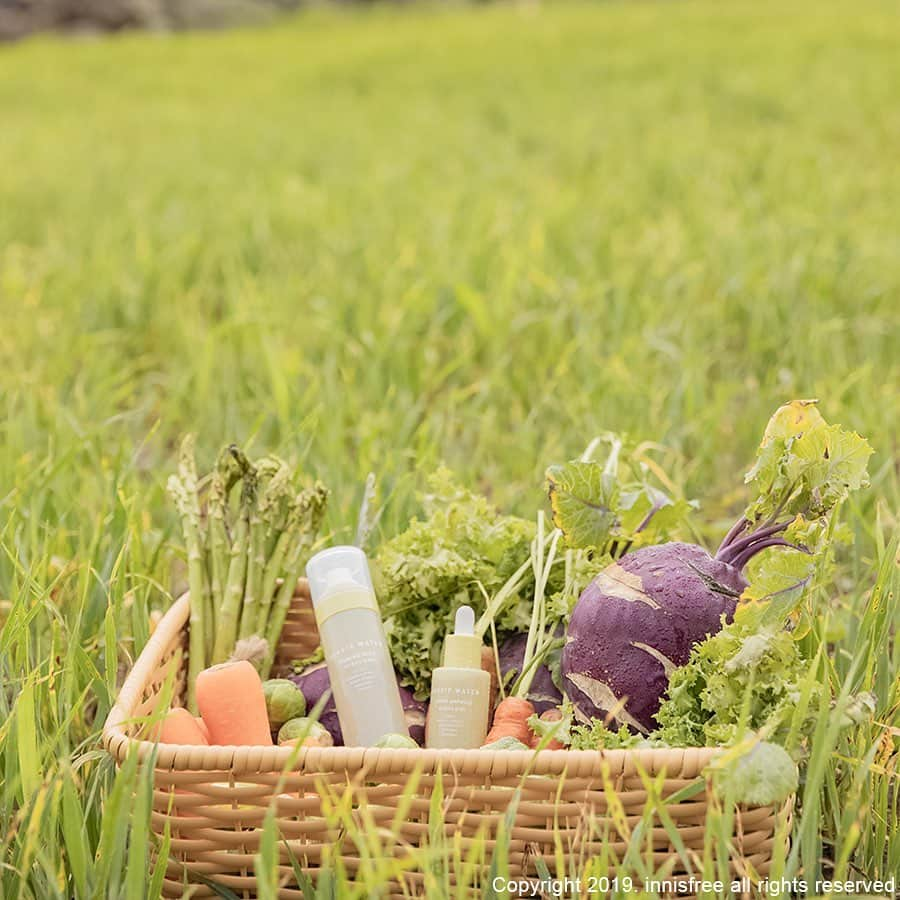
x=681 y=762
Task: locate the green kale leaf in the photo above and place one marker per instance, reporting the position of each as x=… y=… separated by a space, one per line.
x=463 y=549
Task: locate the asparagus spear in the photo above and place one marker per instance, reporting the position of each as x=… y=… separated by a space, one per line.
x=224 y=477
x=309 y=512
x=273 y=478
x=183 y=489
x=275 y=509
x=227 y=628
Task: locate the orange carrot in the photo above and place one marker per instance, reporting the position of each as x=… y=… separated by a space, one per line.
x=511 y=720
x=202 y=726
x=231 y=700
x=180 y=727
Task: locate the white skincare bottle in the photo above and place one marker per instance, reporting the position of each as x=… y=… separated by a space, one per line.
x=359 y=665
x=460 y=690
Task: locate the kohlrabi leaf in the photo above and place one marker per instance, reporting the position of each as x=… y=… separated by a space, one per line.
x=805 y=466
x=791 y=419
x=778 y=571
x=596 y=503
x=583 y=501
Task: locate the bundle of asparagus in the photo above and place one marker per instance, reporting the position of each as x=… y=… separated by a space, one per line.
x=244 y=557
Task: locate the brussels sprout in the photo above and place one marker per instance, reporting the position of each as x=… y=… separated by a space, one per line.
x=307 y=731
x=506 y=743
x=396 y=741
x=284 y=700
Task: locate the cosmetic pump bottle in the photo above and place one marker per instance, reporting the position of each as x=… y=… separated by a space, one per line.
x=460 y=690
x=362 y=676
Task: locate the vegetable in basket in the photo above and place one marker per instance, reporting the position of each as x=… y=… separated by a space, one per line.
x=245 y=553
x=762 y=775
x=180 y=727
x=396 y=742
x=636 y=623
x=306 y=731
x=544 y=692
x=231 y=701
x=552 y=729
x=506 y=743
x=284 y=700
x=461 y=551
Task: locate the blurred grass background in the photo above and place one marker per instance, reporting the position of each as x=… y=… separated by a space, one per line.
x=477 y=235
x=379 y=239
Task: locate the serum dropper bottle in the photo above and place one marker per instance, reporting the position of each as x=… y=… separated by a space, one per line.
x=460 y=690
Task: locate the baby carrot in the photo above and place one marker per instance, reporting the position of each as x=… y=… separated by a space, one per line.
x=511 y=720
x=231 y=700
x=180 y=727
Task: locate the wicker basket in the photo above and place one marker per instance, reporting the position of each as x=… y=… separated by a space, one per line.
x=214 y=799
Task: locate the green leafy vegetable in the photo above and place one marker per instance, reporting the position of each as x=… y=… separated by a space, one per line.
x=463 y=549
x=804 y=469
x=506 y=743
x=597 y=735
x=765 y=775
x=614 y=504
x=748 y=677
x=553 y=724
x=805 y=466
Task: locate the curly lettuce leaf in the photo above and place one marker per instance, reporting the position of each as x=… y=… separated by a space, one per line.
x=596 y=735
x=443 y=561
x=746 y=677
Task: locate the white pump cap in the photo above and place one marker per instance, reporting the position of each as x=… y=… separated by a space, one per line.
x=338 y=569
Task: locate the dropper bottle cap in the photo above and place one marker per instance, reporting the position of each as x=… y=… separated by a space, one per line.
x=462 y=649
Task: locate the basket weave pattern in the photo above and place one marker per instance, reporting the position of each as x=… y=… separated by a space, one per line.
x=214 y=799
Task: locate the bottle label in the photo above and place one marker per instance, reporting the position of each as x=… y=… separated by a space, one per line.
x=457 y=716
x=341 y=602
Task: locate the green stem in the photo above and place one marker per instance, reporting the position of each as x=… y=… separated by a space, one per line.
x=278 y=510
x=256 y=561
x=224 y=478
x=185 y=501
x=226 y=633
x=310 y=510
x=270 y=578
x=280 y=610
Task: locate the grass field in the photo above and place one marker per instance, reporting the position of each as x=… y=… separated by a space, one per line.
x=376 y=240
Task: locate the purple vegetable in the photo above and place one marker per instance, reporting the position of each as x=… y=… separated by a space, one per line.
x=639 y=618
x=543 y=694
x=415 y=712
x=314 y=682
